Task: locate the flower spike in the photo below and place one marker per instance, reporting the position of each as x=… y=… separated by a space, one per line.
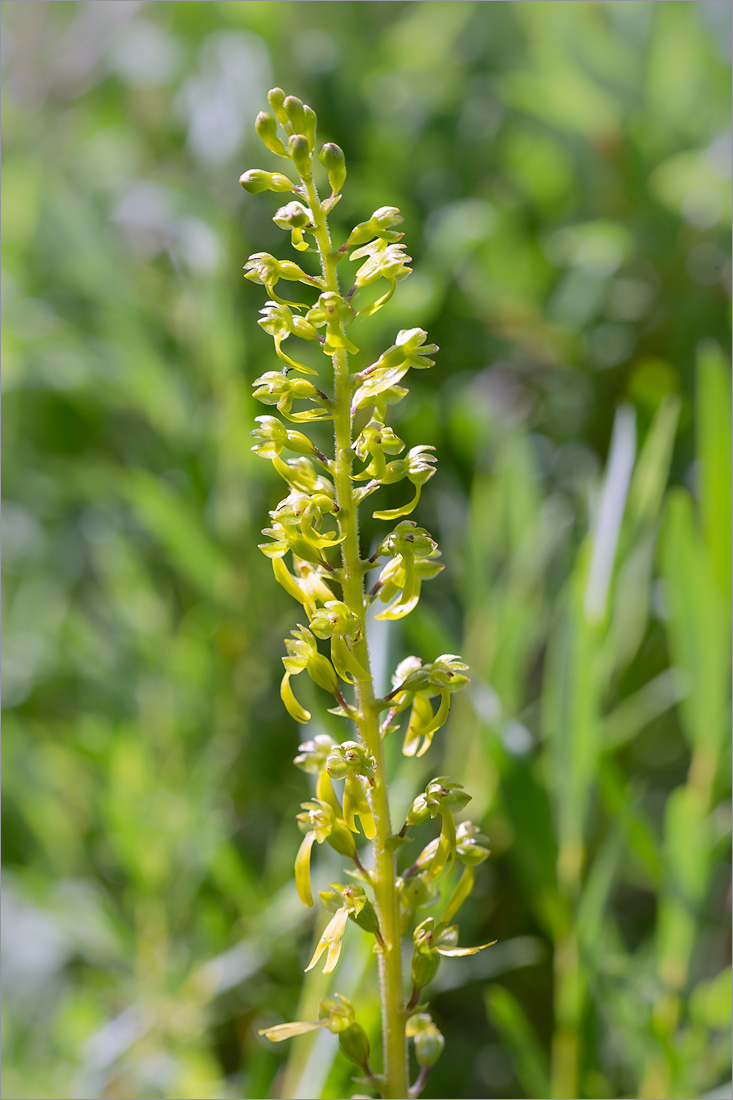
x=313 y=544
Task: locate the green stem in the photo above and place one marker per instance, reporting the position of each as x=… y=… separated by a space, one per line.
x=568 y=1006
x=367 y=717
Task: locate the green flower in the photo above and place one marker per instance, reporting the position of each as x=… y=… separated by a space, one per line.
x=297 y=218
x=319 y=822
x=381 y=261
x=308 y=585
x=412 y=562
x=428 y=1040
x=333 y=311
x=379 y=225
x=296 y=524
x=413 y=682
x=352 y=763
x=336 y=621
x=375 y=441
x=265 y=269
x=334 y=1013
x=275 y=437
x=303 y=656
x=311 y=758
x=275 y=388
x=345 y=902
x=408 y=350
x=430 y=943
x=442 y=796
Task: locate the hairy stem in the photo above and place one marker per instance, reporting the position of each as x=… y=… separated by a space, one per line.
x=367 y=717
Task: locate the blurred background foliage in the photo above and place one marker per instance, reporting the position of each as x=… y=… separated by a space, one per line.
x=564 y=173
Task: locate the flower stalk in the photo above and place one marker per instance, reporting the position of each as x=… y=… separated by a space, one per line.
x=314 y=526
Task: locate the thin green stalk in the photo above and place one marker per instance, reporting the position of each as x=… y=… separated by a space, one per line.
x=568 y=1002
x=366 y=718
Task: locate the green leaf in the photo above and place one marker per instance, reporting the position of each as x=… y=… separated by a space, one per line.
x=713 y=431
x=179 y=528
x=508 y=1017
x=697 y=626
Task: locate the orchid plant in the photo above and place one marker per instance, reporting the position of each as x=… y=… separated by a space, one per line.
x=313 y=543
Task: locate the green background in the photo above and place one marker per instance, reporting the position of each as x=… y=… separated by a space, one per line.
x=563 y=171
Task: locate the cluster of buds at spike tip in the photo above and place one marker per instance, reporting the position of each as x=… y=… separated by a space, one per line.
x=312 y=542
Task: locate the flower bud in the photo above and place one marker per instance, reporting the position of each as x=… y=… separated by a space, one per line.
x=354 y=1045
x=310 y=121
x=276 y=99
x=266 y=129
x=422 y=935
x=256 y=179
x=379 y=225
x=419 y=811
x=294 y=109
x=295 y=217
x=336 y=764
x=428 y=1040
x=424 y=967
x=300 y=154
x=292 y=216
x=350 y=757
x=336 y=618
x=332 y=158
x=448 y=793
x=429 y=1045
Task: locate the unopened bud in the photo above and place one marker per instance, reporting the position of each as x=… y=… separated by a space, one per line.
x=419 y=811
x=276 y=99
x=299 y=153
x=429 y=1042
x=256 y=179
x=266 y=128
x=336 y=764
x=428 y=1046
x=294 y=110
x=292 y=216
x=332 y=158
x=310 y=121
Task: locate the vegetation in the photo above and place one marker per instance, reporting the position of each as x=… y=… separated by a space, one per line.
x=562 y=174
